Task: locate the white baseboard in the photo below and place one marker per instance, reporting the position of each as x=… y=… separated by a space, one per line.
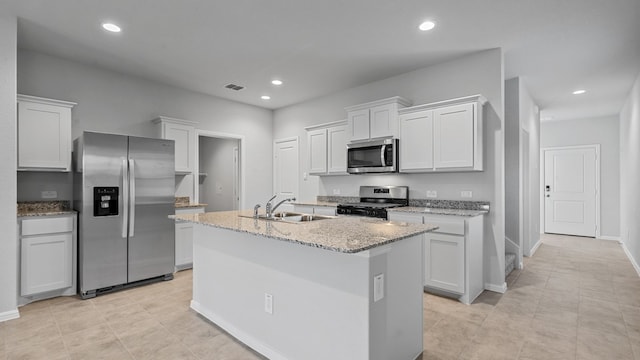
x=633 y=262
x=242 y=336
x=611 y=238
x=535 y=247
x=9 y=315
x=496 y=288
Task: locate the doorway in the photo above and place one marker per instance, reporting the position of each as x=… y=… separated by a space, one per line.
x=285 y=167
x=571 y=190
x=219 y=177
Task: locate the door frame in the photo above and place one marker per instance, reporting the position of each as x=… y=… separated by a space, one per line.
x=241 y=144
x=543 y=207
x=273 y=158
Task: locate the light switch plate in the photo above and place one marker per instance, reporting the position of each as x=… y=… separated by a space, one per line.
x=268 y=303
x=432 y=193
x=51 y=194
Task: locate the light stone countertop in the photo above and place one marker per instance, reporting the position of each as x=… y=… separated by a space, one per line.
x=44 y=208
x=347 y=234
x=438 y=211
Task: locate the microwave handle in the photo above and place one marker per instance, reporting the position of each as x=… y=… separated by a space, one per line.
x=382 y=153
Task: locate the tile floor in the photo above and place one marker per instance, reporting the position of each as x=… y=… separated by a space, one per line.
x=577 y=298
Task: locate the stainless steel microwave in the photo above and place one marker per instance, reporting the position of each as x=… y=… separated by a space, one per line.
x=378 y=156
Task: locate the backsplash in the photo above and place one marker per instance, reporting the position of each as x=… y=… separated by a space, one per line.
x=428 y=203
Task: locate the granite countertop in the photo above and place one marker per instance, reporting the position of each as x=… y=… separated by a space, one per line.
x=347 y=234
x=183 y=202
x=44 y=208
x=439 y=211
x=189 y=205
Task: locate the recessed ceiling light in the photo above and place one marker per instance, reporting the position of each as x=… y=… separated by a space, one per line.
x=265 y=97
x=578 y=92
x=111 y=27
x=276 y=82
x=427 y=25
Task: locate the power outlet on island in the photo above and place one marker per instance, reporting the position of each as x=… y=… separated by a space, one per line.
x=432 y=194
x=268 y=303
x=378 y=287
x=51 y=194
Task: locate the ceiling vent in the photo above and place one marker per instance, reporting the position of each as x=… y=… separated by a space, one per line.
x=234 y=87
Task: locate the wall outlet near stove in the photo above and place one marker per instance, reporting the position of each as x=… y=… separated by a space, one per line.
x=466 y=193
x=432 y=193
x=336 y=191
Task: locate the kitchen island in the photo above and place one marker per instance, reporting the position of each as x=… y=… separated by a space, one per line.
x=340 y=288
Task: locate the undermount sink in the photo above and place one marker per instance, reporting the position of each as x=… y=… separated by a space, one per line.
x=292 y=217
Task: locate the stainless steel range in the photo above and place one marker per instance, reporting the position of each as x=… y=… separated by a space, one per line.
x=375 y=200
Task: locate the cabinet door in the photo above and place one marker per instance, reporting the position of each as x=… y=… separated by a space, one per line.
x=46 y=263
x=453 y=129
x=444 y=262
x=358 y=124
x=405 y=217
x=184 y=138
x=184 y=245
x=317 y=141
x=337 y=149
x=44 y=137
x=383 y=121
x=416 y=141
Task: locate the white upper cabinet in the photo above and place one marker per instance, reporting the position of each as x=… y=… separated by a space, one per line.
x=317 y=140
x=377 y=119
x=183 y=132
x=416 y=144
x=44 y=134
x=444 y=136
x=453 y=137
x=327 y=148
x=337 y=138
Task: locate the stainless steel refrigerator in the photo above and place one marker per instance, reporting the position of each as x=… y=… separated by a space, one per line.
x=124 y=193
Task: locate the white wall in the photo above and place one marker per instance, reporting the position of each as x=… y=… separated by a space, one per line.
x=117 y=103
x=630 y=173
x=512 y=161
x=479 y=73
x=522 y=168
x=603 y=131
x=216 y=161
x=8 y=241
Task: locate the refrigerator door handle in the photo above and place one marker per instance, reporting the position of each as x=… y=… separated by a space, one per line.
x=125 y=198
x=132 y=196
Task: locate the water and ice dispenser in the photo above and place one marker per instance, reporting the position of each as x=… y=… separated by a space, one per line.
x=105 y=201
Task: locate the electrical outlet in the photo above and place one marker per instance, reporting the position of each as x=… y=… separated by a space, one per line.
x=466 y=193
x=432 y=194
x=336 y=191
x=268 y=303
x=378 y=287
x=51 y=194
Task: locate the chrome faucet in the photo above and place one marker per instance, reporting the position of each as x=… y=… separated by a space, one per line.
x=271 y=209
x=255 y=211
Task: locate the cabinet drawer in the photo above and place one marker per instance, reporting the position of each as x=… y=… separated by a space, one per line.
x=197 y=210
x=47 y=225
x=446 y=225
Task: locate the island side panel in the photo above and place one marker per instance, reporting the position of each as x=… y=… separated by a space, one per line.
x=321 y=298
x=397 y=321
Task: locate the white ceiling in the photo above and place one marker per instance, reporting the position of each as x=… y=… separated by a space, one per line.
x=319 y=47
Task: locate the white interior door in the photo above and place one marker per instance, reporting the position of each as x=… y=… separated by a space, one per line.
x=285 y=170
x=570 y=190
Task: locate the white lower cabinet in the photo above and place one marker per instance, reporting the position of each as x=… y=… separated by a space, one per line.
x=184 y=239
x=453 y=254
x=47 y=257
